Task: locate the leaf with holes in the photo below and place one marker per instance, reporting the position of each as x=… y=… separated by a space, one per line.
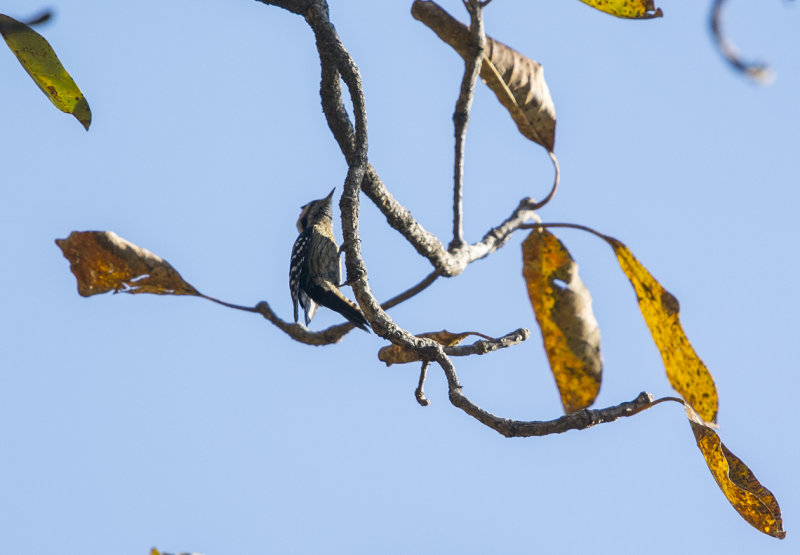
x=40 y=61
x=395 y=354
x=628 y=9
x=563 y=309
x=687 y=374
x=752 y=501
x=517 y=80
x=102 y=261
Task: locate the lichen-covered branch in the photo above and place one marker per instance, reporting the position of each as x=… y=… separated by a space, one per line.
x=579 y=420
x=485 y=346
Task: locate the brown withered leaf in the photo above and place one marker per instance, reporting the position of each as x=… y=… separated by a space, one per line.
x=629 y=9
x=563 y=308
x=395 y=354
x=686 y=373
x=517 y=80
x=752 y=501
x=102 y=261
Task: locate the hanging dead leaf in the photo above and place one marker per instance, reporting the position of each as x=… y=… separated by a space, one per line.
x=102 y=261
x=628 y=9
x=395 y=354
x=563 y=308
x=517 y=81
x=40 y=61
x=687 y=374
x=752 y=501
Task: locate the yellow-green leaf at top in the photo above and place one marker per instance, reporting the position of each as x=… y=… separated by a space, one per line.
x=40 y=61
x=629 y=9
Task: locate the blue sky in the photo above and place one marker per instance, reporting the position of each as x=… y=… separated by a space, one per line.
x=136 y=421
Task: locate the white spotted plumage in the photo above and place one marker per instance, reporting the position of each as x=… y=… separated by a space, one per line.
x=315 y=271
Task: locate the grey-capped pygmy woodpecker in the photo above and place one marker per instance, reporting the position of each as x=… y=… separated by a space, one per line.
x=315 y=272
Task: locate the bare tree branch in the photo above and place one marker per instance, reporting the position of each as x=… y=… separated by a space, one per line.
x=472 y=68
x=335 y=60
x=301 y=333
x=579 y=420
x=419 y=393
x=485 y=346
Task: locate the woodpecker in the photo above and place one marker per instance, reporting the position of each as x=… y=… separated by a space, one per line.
x=314 y=271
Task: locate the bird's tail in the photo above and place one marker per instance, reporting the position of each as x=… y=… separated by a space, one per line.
x=328 y=295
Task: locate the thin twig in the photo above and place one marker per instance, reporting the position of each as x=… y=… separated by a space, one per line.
x=419 y=393
x=404 y=296
x=579 y=420
x=333 y=334
x=569 y=226
x=489 y=345
x=43 y=17
x=229 y=305
x=757 y=71
x=472 y=68
x=556 y=180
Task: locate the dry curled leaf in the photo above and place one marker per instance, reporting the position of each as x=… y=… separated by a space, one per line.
x=563 y=308
x=40 y=61
x=687 y=374
x=517 y=80
x=629 y=9
x=395 y=354
x=752 y=501
x=102 y=261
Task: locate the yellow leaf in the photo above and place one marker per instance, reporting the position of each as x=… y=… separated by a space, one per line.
x=40 y=61
x=752 y=501
x=517 y=80
x=395 y=354
x=630 y=9
x=102 y=261
x=687 y=374
x=563 y=308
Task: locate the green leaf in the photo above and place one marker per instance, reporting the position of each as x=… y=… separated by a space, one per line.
x=40 y=61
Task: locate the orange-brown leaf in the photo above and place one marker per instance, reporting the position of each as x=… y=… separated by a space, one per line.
x=517 y=80
x=563 y=308
x=395 y=354
x=687 y=374
x=629 y=9
x=102 y=261
x=752 y=501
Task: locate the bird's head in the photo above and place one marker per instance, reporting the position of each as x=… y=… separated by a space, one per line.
x=315 y=211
